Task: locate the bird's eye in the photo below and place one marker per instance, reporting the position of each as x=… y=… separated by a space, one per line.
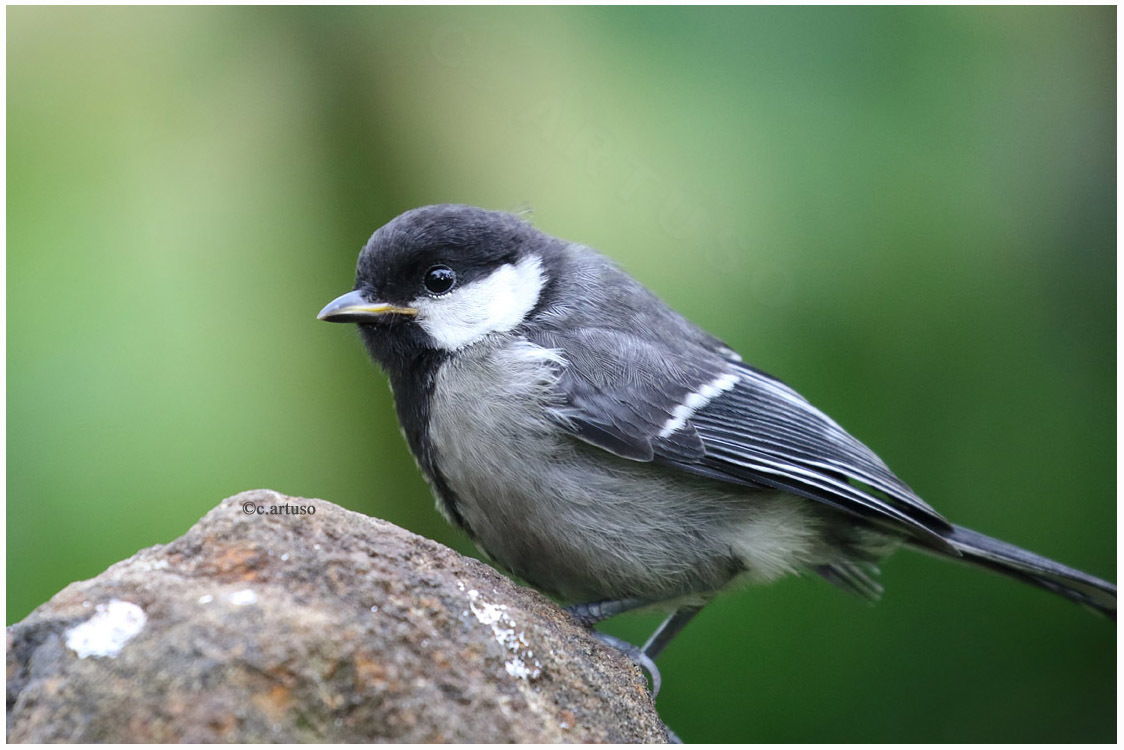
x=439 y=279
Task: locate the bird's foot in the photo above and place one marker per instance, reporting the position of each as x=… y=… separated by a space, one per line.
x=587 y=614
x=637 y=656
x=591 y=613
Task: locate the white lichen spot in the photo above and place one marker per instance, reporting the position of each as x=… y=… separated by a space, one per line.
x=242 y=598
x=206 y=599
x=374 y=608
x=522 y=664
x=106 y=633
x=284 y=557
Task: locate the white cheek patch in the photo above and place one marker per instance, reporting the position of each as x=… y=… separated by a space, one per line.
x=496 y=303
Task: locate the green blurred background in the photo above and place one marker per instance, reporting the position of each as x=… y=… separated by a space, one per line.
x=908 y=214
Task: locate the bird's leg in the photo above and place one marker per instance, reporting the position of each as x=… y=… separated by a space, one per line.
x=591 y=613
x=675 y=622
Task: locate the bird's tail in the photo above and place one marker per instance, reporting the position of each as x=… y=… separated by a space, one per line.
x=1026 y=566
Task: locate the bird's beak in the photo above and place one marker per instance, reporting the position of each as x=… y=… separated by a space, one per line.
x=353 y=308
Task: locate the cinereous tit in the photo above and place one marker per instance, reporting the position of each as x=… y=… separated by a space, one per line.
x=596 y=444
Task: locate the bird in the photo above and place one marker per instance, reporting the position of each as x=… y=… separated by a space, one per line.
x=595 y=443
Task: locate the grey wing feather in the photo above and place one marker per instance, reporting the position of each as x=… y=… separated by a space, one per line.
x=764 y=426
x=620 y=392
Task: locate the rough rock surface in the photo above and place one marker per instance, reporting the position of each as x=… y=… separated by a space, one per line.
x=330 y=626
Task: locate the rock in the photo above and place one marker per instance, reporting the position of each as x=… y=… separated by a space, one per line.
x=321 y=625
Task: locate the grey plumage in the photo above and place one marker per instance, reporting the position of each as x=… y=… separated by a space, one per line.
x=597 y=444
x=589 y=525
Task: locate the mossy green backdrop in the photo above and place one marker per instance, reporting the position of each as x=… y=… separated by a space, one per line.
x=908 y=214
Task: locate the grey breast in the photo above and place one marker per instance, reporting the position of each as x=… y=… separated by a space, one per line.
x=573 y=519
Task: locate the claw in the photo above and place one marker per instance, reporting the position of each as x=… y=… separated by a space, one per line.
x=591 y=613
x=586 y=613
x=637 y=656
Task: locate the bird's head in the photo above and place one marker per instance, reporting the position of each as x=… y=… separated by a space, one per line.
x=440 y=278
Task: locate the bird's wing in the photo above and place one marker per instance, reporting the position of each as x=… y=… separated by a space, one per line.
x=703 y=412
